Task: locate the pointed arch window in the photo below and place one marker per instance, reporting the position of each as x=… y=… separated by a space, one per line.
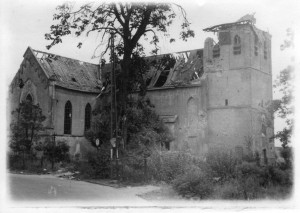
x=265 y=50
x=29 y=98
x=237 y=49
x=88 y=116
x=216 y=51
x=68 y=118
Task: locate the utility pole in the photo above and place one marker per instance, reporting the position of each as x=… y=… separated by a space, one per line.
x=113 y=115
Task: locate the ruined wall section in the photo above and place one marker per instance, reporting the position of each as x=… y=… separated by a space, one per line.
x=184 y=111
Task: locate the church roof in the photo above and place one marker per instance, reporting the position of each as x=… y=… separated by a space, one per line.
x=168 y=70
x=69 y=73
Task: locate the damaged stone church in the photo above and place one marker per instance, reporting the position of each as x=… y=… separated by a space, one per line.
x=215 y=96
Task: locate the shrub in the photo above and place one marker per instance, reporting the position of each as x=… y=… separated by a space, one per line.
x=86 y=171
x=56 y=152
x=221 y=163
x=228 y=190
x=27 y=123
x=133 y=168
x=287 y=155
x=99 y=163
x=277 y=176
x=167 y=165
x=133 y=175
x=194 y=183
x=251 y=179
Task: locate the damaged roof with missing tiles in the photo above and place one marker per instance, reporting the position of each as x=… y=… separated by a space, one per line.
x=69 y=73
x=168 y=70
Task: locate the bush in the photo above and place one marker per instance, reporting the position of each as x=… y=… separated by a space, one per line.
x=221 y=163
x=133 y=175
x=167 y=165
x=277 y=176
x=287 y=155
x=228 y=190
x=252 y=179
x=56 y=152
x=193 y=183
x=98 y=164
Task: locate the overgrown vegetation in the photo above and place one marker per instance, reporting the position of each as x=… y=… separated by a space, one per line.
x=29 y=150
x=284 y=83
x=145 y=135
x=226 y=177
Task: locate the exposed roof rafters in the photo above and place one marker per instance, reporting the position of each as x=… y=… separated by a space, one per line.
x=219 y=27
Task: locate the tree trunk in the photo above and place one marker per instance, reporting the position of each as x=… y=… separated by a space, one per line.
x=124 y=91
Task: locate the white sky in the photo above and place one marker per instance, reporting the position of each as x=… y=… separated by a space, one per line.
x=24 y=23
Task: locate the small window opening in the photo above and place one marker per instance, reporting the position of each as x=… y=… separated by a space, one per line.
x=256 y=46
x=21 y=83
x=256 y=50
x=265 y=156
x=237 y=49
x=226 y=102
x=263 y=130
x=167 y=145
x=265 y=50
x=216 y=51
x=162 y=78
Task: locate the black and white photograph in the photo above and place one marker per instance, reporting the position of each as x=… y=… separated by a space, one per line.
x=149 y=105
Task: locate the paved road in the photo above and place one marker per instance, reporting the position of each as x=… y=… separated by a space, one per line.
x=47 y=188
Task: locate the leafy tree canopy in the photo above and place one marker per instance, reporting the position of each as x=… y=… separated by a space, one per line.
x=128 y=22
x=25 y=127
x=284 y=106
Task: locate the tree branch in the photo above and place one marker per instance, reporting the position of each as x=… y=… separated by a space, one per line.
x=141 y=29
x=116 y=12
x=104 y=28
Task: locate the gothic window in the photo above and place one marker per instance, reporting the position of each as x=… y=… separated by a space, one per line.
x=216 y=51
x=265 y=50
x=29 y=98
x=68 y=118
x=88 y=116
x=237 y=45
